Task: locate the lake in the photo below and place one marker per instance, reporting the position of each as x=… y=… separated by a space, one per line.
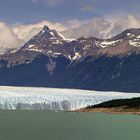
x=43 y=125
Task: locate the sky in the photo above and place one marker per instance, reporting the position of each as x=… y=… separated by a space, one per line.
x=20 y=20
x=31 y=11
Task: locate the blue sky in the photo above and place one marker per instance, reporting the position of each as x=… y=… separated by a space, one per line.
x=31 y=11
x=22 y=19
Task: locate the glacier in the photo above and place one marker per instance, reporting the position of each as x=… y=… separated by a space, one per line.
x=27 y=98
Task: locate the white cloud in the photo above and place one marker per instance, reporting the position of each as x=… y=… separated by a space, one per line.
x=15 y=36
x=75 y=23
x=7 y=38
x=54 y=2
x=129 y=22
x=25 y=32
x=103 y=28
x=49 y=2
x=87 y=8
x=97 y=28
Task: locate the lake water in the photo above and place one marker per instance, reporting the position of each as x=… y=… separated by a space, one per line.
x=41 y=125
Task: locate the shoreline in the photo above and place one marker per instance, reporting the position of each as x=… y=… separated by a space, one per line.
x=115 y=110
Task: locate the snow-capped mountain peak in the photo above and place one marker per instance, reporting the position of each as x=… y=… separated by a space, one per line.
x=44 y=40
x=88 y=62
x=46 y=28
x=51 y=43
x=47 y=33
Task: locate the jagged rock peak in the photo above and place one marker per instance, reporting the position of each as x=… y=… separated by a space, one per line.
x=49 y=33
x=46 y=28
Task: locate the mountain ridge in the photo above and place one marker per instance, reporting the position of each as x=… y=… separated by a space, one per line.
x=48 y=60
x=52 y=43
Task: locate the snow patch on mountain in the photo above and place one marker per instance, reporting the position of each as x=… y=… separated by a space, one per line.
x=138 y=36
x=107 y=43
x=134 y=43
x=30 y=46
x=77 y=56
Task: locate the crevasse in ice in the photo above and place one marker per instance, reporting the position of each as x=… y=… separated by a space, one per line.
x=25 y=98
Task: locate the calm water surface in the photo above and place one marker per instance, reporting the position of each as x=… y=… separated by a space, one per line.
x=41 y=125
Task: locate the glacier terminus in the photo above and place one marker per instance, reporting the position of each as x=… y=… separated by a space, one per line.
x=26 y=98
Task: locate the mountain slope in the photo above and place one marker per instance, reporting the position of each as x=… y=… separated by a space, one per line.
x=48 y=60
x=104 y=73
x=129 y=106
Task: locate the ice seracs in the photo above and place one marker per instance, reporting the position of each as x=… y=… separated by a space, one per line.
x=23 y=98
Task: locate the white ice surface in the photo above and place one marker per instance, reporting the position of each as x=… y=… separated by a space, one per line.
x=54 y=99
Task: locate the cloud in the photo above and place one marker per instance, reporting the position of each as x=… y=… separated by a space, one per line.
x=8 y=38
x=17 y=35
x=95 y=28
x=129 y=22
x=54 y=2
x=103 y=28
x=49 y=2
x=87 y=8
x=75 y=23
x=25 y=32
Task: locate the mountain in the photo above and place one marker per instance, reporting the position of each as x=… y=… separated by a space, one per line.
x=50 y=60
